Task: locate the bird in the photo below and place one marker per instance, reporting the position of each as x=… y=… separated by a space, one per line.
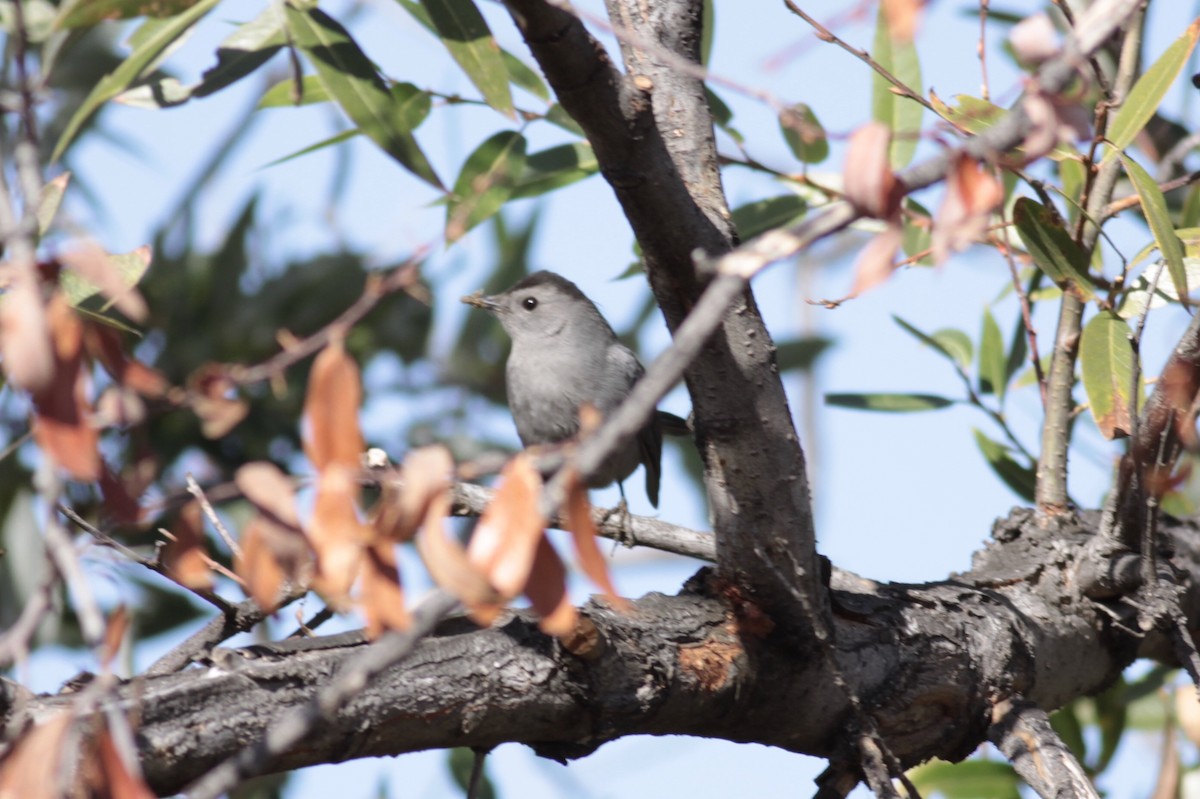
x=565 y=355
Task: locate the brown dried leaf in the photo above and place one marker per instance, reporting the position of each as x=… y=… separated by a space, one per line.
x=426 y=474
x=103 y=343
x=583 y=530
x=119 y=502
x=185 y=556
x=331 y=409
x=337 y=535
x=25 y=344
x=209 y=390
x=31 y=768
x=269 y=490
x=258 y=566
x=382 y=594
x=972 y=193
x=90 y=262
x=114 y=634
x=870 y=183
x=877 y=260
x=62 y=426
x=449 y=567
x=274 y=547
x=118 y=781
x=505 y=540
x=547 y=592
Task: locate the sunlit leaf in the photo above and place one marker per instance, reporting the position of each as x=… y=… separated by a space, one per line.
x=470 y=42
x=892 y=403
x=902 y=115
x=1106 y=361
x=85 y=13
x=1154 y=206
x=1147 y=94
x=971 y=779
x=143 y=55
x=485 y=183
x=283 y=94
x=554 y=168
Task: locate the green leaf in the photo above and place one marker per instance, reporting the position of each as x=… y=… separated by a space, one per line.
x=558 y=115
x=952 y=344
x=1112 y=713
x=1106 y=360
x=1051 y=247
x=283 y=94
x=352 y=80
x=1021 y=479
x=1018 y=351
x=144 y=54
x=466 y=35
x=131 y=267
x=891 y=403
x=85 y=13
x=1146 y=95
x=1065 y=722
x=708 y=20
x=461 y=762
x=973 y=116
x=524 y=77
x=918 y=231
x=1154 y=207
x=722 y=115
x=336 y=138
x=49 y=201
x=993 y=365
x=556 y=167
x=971 y=779
x=804 y=134
x=800 y=353
x=901 y=114
x=485 y=183
x=760 y=216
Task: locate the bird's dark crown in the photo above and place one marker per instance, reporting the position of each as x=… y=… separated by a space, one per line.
x=545 y=278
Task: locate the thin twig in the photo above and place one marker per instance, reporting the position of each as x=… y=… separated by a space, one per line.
x=983 y=70
x=196 y=491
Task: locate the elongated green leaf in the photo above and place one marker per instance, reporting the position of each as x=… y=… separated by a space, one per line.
x=336 y=138
x=891 y=403
x=351 y=79
x=50 y=200
x=524 y=77
x=1018 y=351
x=466 y=35
x=1051 y=247
x=900 y=114
x=800 y=353
x=1106 y=360
x=1154 y=207
x=556 y=167
x=558 y=115
x=918 y=231
x=283 y=94
x=973 y=115
x=950 y=344
x=1020 y=479
x=1148 y=92
x=971 y=779
x=485 y=183
x=760 y=216
x=993 y=365
x=131 y=68
x=804 y=134
x=83 y=13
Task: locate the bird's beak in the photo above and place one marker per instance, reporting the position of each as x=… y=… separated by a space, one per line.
x=478 y=300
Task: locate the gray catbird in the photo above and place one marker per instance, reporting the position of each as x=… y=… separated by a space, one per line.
x=564 y=354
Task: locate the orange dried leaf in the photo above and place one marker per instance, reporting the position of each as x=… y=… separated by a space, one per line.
x=870 y=183
x=62 y=425
x=877 y=260
x=31 y=768
x=547 y=592
x=382 y=594
x=337 y=535
x=114 y=634
x=902 y=18
x=269 y=490
x=448 y=565
x=972 y=192
x=25 y=344
x=426 y=475
x=104 y=344
x=184 y=556
x=119 y=781
x=209 y=390
x=583 y=530
x=258 y=567
x=274 y=547
x=505 y=540
x=331 y=409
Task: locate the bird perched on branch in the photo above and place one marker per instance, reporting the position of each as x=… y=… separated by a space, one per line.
x=565 y=355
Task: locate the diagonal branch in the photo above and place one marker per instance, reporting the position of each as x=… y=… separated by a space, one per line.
x=1023 y=733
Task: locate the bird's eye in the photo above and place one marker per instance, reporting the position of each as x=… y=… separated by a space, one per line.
x=529 y=303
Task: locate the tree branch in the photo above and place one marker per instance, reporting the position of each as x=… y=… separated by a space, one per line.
x=1023 y=733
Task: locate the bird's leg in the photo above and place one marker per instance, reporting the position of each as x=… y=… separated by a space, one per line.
x=625 y=525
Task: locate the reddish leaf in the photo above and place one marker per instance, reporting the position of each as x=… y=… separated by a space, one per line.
x=30 y=770
x=972 y=192
x=119 y=781
x=449 y=567
x=119 y=502
x=870 y=183
x=258 y=566
x=382 y=595
x=274 y=547
x=547 y=592
x=877 y=260
x=401 y=509
x=25 y=343
x=270 y=490
x=209 y=389
x=61 y=425
x=583 y=530
x=185 y=556
x=114 y=634
x=97 y=267
x=505 y=540
x=337 y=535
x=331 y=409
x=104 y=344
